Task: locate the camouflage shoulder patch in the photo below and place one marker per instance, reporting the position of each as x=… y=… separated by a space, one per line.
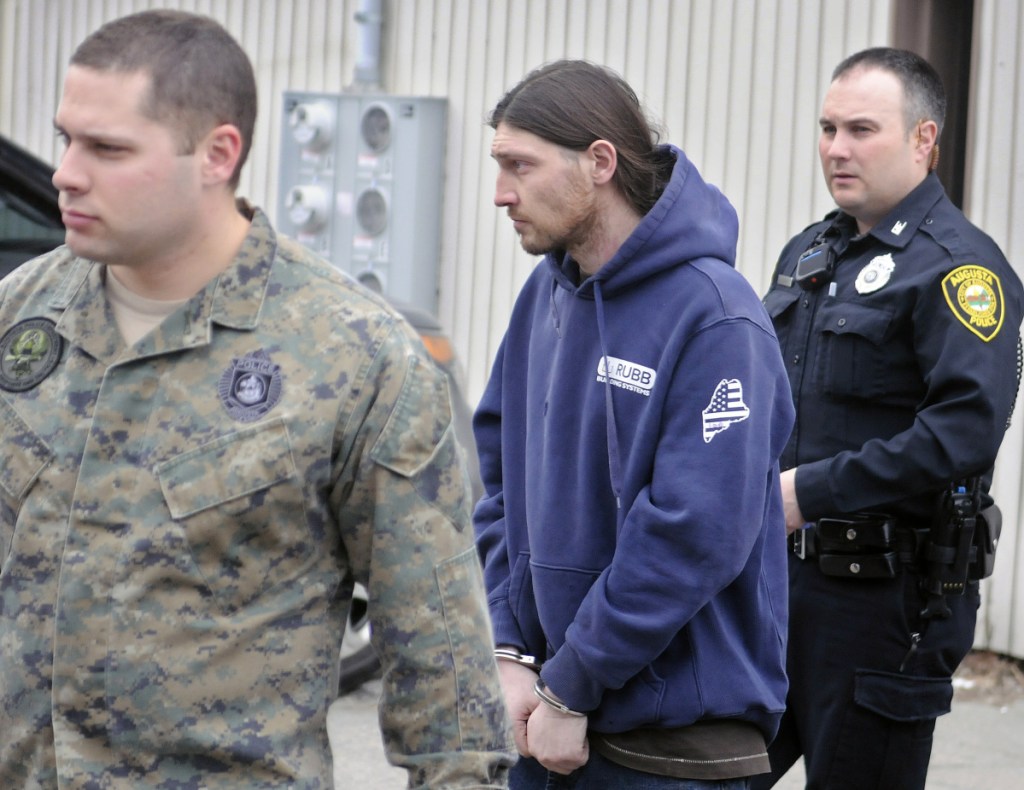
x=29 y=351
x=975 y=296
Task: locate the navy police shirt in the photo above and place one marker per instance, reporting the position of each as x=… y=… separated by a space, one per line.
x=903 y=361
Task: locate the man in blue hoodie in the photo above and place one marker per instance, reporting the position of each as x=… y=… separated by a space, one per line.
x=632 y=529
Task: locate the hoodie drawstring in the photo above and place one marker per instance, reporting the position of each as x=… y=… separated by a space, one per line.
x=614 y=460
x=556 y=320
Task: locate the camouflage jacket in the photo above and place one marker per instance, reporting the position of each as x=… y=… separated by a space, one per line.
x=181 y=523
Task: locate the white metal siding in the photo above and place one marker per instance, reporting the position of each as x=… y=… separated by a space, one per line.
x=736 y=83
x=995 y=201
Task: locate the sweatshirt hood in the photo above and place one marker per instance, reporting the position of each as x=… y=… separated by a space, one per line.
x=692 y=219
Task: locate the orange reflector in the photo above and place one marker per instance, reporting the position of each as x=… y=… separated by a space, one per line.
x=439 y=348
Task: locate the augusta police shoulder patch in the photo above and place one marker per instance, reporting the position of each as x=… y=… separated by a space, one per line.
x=29 y=351
x=250 y=387
x=975 y=296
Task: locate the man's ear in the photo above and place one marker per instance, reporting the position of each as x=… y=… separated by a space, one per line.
x=221 y=148
x=605 y=159
x=927 y=141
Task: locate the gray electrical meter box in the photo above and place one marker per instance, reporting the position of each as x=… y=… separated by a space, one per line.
x=361 y=183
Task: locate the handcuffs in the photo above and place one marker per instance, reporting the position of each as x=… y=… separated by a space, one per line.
x=539 y=688
x=513 y=655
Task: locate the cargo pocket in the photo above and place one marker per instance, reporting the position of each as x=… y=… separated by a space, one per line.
x=902 y=697
x=240 y=503
x=886 y=735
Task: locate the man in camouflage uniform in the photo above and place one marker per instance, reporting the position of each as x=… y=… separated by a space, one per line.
x=208 y=435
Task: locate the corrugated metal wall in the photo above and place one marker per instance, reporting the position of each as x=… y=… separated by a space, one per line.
x=995 y=200
x=737 y=83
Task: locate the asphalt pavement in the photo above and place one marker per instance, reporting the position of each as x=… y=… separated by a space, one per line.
x=979 y=746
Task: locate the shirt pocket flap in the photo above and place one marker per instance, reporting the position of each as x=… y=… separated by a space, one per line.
x=24 y=456
x=228 y=468
x=418 y=423
x=847 y=318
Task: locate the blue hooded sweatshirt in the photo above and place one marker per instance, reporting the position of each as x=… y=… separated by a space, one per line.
x=631 y=529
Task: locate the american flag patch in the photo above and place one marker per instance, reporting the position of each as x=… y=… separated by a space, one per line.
x=726 y=407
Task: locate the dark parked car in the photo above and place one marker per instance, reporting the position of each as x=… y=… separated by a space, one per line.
x=29 y=218
x=30 y=225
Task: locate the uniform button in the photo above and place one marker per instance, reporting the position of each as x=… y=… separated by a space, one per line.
x=851 y=534
x=796 y=359
x=854 y=567
x=807 y=302
x=841 y=322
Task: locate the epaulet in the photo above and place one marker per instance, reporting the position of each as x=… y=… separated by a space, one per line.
x=827 y=218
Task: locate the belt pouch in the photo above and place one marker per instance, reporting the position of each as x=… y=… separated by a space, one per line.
x=987 y=528
x=882 y=565
x=867 y=532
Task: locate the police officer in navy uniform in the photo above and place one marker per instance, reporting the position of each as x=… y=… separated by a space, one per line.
x=898 y=321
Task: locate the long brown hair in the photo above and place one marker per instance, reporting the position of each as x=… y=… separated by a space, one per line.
x=572 y=103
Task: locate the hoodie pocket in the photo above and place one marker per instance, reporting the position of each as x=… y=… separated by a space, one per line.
x=559 y=592
x=641 y=701
x=524 y=606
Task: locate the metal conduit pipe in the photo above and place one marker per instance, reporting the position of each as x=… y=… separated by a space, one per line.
x=370 y=18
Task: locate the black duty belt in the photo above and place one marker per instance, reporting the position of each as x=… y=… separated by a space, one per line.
x=864 y=545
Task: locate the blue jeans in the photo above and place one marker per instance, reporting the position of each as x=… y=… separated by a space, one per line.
x=602 y=774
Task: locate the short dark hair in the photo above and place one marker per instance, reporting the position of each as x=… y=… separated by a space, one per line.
x=572 y=103
x=925 y=97
x=200 y=76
